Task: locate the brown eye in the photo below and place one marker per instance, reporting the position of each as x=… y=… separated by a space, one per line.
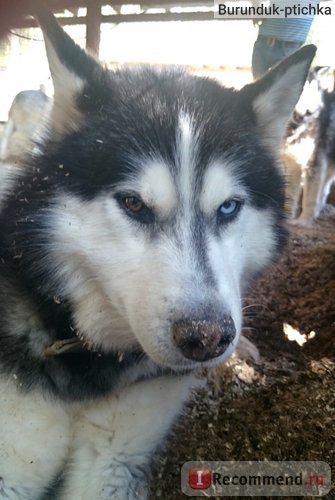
x=134 y=204
x=135 y=208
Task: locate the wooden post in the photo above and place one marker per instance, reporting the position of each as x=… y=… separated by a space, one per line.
x=93 y=21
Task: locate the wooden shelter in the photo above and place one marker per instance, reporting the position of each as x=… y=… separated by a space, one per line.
x=69 y=12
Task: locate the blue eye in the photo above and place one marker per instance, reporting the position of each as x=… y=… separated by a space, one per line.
x=229 y=209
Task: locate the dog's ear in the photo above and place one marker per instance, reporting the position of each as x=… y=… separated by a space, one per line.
x=274 y=96
x=71 y=69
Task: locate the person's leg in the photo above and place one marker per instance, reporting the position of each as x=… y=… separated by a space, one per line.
x=282 y=51
x=260 y=58
x=265 y=57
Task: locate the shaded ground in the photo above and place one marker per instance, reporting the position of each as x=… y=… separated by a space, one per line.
x=282 y=408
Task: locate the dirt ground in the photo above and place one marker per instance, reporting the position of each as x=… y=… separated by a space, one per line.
x=282 y=407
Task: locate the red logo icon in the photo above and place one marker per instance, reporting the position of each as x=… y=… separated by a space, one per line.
x=199 y=478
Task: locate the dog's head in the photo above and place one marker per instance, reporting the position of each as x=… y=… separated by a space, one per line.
x=165 y=200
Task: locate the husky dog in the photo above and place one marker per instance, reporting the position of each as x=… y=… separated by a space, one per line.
x=126 y=246
x=320 y=173
x=309 y=152
x=25 y=115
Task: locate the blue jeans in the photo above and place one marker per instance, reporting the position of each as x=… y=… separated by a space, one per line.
x=265 y=56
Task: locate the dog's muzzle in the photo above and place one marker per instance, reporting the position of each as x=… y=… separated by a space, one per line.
x=203 y=339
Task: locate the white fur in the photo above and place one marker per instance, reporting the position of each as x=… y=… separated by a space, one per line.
x=186 y=153
x=101 y=442
x=220 y=185
x=89 y=254
x=34 y=441
x=116 y=436
x=157 y=188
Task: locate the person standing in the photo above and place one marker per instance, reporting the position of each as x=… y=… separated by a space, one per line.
x=277 y=39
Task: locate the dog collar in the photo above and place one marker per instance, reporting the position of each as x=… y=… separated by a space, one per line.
x=67 y=346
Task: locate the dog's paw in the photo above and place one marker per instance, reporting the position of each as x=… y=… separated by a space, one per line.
x=17 y=492
x=327 y=211
x=136 y=491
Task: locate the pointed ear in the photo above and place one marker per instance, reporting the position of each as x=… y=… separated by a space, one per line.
x=274 y=96
x=70 y=69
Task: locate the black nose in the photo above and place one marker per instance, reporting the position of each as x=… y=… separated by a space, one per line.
x=203 y=339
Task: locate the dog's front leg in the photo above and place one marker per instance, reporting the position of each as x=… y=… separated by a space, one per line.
x=313 y=188
x=34 y=442
x=114 y=439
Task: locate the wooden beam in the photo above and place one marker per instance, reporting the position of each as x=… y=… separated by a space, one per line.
x=126 y=18
x=59 y=5
x=168 y=16
x=93 y=20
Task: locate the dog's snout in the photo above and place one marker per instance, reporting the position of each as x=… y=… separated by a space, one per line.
x=203 y=339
